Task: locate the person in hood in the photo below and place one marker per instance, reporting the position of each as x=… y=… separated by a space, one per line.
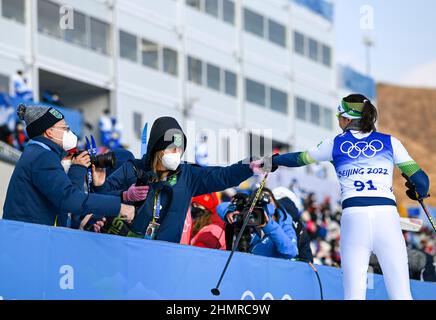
x=40 y=190
x=161 y=215
x=208 y=229
x=276 y=237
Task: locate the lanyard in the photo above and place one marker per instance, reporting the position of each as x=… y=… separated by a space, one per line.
x=156 y=209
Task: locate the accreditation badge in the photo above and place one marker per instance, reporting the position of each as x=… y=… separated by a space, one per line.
x=151 y=231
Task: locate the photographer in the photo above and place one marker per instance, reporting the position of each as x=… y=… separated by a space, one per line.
x=39 y=189
x=289 y=202
x=172 y=183
x=276 y=237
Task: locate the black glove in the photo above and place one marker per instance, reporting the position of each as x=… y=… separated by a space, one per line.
x=411 y=189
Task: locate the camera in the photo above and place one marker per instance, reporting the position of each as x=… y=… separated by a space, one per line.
x=145 y=178
x=242 y=203
x=257 y=216
x=106 y=160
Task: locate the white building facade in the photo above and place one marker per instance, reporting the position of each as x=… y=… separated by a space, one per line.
x=260 y=67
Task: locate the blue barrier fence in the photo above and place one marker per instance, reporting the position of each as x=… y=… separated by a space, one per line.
x=40 y=262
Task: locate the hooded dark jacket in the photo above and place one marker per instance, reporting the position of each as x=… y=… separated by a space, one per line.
x=187 y=181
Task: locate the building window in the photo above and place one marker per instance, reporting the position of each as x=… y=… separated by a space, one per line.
x=4 y=84
x=301 y=110
x=195 y=70
x=137 y=125
x=313 y=49
x=230 y=83
x=229 y=11
x=213 y=77
x=78 y=34
x=255 y=92
x=14 y=9
x=128 y=46
x=328 y=119
x=170 y=61
x=211 y=7
x=194 y=3
x=326 y=55
x=99 y=36
x=254 y=23
x=277 y=33
x=299 y=45
x=279 y=100
x=315 y=113
x=48 y=18
x=150 y=54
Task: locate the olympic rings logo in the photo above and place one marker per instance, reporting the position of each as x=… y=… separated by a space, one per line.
x=369 y=150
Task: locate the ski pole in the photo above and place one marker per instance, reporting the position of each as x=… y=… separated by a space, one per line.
x=421 y=201
x=215 y=291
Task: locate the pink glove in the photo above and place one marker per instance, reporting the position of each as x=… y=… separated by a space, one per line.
x=135 y=194
x=257 y=167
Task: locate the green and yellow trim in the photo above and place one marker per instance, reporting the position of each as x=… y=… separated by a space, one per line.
x=304 y=159
x=409 y=168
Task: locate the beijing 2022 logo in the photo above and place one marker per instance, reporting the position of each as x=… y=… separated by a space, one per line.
x=355 y=150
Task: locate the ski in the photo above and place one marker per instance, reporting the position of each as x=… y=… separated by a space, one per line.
x=412 y=225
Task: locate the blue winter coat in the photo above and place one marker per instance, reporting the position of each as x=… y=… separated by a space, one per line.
x=40 y=190
x=280 y=240
x=77 y=175
x=188 y=181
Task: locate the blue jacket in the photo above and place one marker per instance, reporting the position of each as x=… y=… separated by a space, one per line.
x=77 y=175
x=280 y=240
x=40 y=190
x=188 y=181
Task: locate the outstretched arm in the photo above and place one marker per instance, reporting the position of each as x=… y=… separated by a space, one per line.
x=213 y=179
x=50 y=179
x=322 y=152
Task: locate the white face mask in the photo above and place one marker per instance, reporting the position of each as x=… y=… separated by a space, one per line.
x=69 y=140
x=66 y=164
x=171 y=161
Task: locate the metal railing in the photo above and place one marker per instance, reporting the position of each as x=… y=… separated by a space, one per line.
x=8 y=153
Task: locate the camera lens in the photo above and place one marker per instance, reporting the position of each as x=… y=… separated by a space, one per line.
x=106 y=160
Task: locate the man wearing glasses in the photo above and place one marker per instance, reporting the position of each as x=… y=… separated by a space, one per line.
x=39 y=189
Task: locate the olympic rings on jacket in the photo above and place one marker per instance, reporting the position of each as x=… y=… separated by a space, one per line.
x=355 y=150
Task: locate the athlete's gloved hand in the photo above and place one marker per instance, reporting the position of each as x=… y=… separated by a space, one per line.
x=263 y=165
x=411 y=189
x=135 y=193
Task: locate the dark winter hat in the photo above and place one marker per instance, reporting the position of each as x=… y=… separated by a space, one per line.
x=38 y=118
x=165 y=132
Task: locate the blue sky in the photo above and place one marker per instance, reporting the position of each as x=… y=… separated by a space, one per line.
x=405 y=39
